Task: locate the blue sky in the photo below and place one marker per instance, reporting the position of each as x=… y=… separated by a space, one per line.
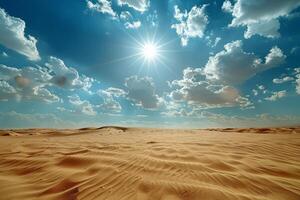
x=149 y=63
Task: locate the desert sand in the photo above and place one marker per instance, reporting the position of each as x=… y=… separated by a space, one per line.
x=135 y=163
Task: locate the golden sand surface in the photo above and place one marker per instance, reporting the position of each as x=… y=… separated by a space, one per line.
x=118 y=163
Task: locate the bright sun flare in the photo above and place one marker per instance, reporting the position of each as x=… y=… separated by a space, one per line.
x=149 y=51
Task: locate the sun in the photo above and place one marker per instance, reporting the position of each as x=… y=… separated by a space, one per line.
x=149 y=51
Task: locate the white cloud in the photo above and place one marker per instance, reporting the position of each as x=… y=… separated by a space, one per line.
x=102 y=6
x=273 y=59
x=212 y=42
x=125 y=15
x=276 y=95
x=196 y=90
x=255 y=92
x=227 y=6
x=245 y=103
x=115 y=92
x=67 y=77
x=142 y=92
x=298 y=84
x=213 y=85
x=6 y=73
x=12 y=36
x=260 y=16
x=200 y=93
x=282 y=80
x=34 y=83
x=129 y=23
x=191 y=24
x=6 y=91
x=82 y=106
x=44 y=94
x=110 y=104
x=263 y=28
x=139 y=5
x=105 y=7
x=261 y=87
x=132 y=25
x=234 y=66
x=297 y=70
x=26 y=83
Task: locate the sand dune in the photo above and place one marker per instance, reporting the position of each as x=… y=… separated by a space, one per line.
x=132 y=163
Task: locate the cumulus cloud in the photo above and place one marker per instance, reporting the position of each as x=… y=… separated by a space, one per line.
x=282 y=80
x=139 y=5
x=214 y=85
x=276 y=95
x=82 y=106
x=195 y=89
x=12 y=36
x=7 y=73
x=142 y=92
x=110 y=104
x=264 y=28
x=6 y=91
x=191 y=24
x=234 y=66
x=260 y=16
x=227 y=6
x=34 y=83
x=200 y=93
x=26 y=83
x=67 y=77
x=102 y=6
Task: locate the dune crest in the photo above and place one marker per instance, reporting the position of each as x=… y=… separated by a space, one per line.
x=144 y=164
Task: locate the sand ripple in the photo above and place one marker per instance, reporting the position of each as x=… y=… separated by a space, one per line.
x=121 y=163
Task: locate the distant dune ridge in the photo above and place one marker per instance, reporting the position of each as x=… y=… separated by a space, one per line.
x=117 y=163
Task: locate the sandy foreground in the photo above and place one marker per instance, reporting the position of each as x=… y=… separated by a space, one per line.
x=134 y=163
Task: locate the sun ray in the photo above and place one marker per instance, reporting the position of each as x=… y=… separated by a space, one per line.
x=121 y=59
